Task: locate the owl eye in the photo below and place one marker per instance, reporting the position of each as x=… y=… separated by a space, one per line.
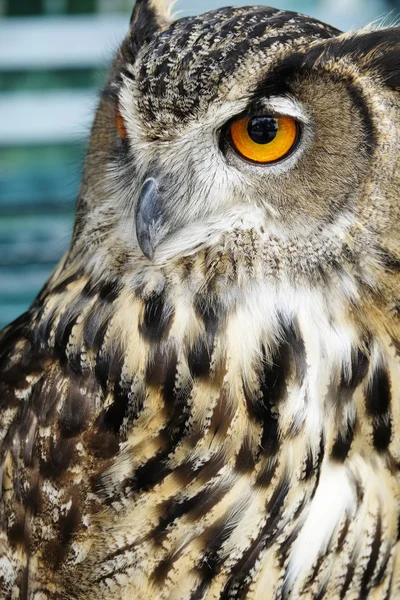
x=264 y=139
x=120 y=124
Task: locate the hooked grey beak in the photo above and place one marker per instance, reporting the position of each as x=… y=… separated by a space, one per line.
x=149 y=218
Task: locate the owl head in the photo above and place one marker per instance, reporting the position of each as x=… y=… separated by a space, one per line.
x=264 y=138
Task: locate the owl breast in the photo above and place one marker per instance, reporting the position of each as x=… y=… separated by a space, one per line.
x=258 y=469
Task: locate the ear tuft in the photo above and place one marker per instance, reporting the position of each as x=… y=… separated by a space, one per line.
x=375 y=51
x=149 y=17
x=386 y=59
x=163 y=8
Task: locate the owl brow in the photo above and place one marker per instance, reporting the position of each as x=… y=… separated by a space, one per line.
x=276 y=106
x=274 y=84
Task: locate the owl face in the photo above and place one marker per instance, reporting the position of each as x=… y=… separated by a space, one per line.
x=247 y=119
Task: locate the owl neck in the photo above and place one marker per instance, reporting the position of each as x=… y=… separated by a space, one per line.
x=222 y=322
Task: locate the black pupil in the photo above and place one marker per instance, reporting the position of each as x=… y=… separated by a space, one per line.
x=262 y=130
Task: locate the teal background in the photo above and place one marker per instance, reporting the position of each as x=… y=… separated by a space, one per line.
x=46 y=107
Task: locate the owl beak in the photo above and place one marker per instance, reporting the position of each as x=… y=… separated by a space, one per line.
x=149 y=218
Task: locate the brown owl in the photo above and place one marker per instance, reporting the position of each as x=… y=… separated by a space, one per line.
x=203 y=403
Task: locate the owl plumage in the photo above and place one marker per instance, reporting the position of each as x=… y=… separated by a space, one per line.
x=203 y=403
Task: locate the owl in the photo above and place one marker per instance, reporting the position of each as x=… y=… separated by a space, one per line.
x=203 y=402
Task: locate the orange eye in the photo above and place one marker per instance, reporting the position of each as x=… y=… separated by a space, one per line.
x=119 y=124
x=264 y=139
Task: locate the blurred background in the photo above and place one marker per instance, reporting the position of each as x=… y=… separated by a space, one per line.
x=53 y=57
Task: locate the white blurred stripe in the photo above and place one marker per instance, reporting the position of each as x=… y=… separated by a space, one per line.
x=46 y=117
x=54 y=42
